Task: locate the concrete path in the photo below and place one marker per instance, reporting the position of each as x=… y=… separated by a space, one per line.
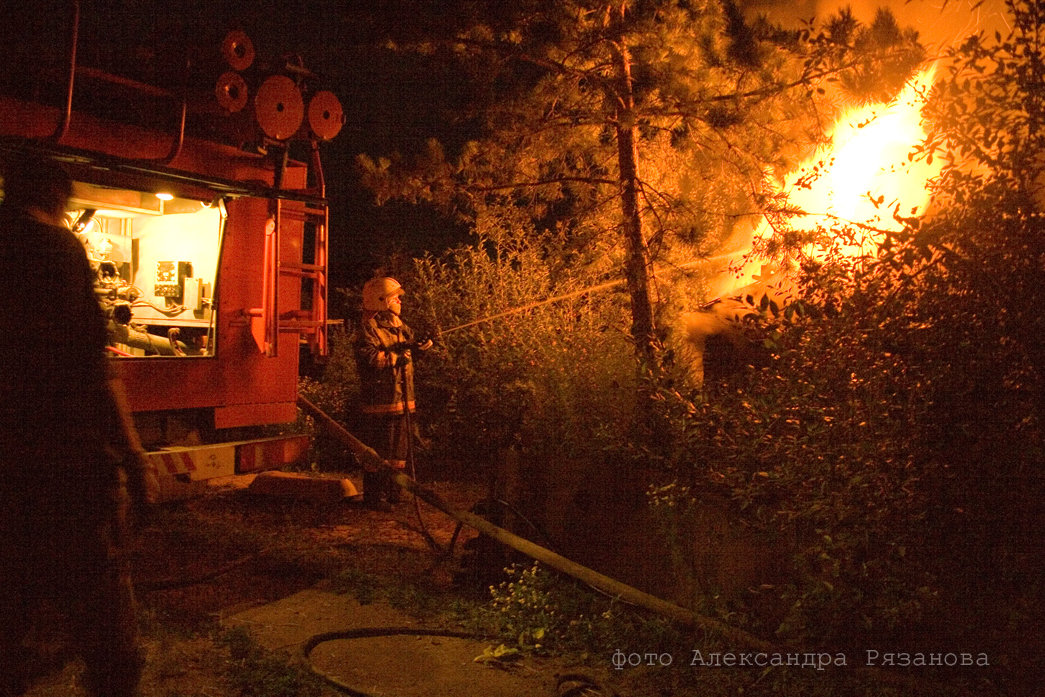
x=388 y=666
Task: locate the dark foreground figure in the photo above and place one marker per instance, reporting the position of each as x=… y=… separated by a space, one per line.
x=71 y=465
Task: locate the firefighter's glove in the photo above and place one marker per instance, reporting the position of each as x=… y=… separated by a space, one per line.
x=420 y=345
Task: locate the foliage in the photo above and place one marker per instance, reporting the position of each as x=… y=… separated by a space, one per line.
x=422 y=597
x=549 y=379
x=718 y=99
x=544 y=378
x=258 y=673
x=892 y=438
x=336 y=392
x=537 y=610
x=897 y=438
x=637 y=132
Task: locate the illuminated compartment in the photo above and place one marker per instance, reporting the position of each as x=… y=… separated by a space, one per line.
x=156 y=261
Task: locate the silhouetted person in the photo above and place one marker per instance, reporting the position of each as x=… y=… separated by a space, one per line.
x=70 y=461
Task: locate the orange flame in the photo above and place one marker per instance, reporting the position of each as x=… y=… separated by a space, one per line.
x=865 y=174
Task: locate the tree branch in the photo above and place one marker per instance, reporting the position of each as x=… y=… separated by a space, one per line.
x=540 y=183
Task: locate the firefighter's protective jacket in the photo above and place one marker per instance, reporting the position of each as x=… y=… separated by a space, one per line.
x=382 y=343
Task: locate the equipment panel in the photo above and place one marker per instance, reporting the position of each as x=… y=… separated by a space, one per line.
x=156 y=260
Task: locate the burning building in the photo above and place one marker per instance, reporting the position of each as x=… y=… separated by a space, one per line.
x=848 y=195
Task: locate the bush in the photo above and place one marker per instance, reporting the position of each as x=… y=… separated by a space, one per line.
x=897 y=437
x=336 y=392
x=551 y=380
x=538 y=610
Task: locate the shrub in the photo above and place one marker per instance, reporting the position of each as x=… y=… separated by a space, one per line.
x=540 y=611
x=549 y=379
x=897 y=438
x=336 y=392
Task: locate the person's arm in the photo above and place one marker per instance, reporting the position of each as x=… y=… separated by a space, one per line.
x=373 y=351
x=143 y=484
x=122 y=437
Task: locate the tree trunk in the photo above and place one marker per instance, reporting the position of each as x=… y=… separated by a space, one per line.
x=636 y=268
x=637 y=264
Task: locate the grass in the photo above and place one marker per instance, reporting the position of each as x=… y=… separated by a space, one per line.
x=256 y=672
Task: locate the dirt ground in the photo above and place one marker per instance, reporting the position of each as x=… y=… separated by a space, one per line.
x=281 y=570
x=234 y=585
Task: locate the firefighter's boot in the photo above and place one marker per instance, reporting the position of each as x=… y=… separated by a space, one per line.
x=373 y=491
x=391 y=488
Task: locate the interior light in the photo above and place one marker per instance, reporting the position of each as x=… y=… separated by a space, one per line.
x=164 y=196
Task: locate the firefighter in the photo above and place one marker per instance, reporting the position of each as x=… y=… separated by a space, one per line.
x=70 y=461
x=384 y=346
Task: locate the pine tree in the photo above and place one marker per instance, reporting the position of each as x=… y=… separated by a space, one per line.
x=639 y=130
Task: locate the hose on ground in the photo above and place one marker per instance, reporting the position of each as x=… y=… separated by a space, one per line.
x=367 y=632
x=572 y=684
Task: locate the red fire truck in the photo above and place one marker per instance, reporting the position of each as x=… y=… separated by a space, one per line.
x=208 y=232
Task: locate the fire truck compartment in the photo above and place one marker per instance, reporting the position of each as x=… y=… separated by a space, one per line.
x=155 y=258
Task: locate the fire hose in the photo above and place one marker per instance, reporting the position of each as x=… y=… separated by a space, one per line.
x=604 y=583
x=572 y=684
x=686 y=618
x=401 y=376
x=583 y=291
x=567 y=685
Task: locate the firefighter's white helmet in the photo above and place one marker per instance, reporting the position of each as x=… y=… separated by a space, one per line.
x=378 y=291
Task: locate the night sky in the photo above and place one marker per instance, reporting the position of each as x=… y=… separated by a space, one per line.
x=392 y=103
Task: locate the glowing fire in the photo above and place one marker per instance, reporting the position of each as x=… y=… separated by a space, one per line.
x=866 y=172
x=849 y=190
